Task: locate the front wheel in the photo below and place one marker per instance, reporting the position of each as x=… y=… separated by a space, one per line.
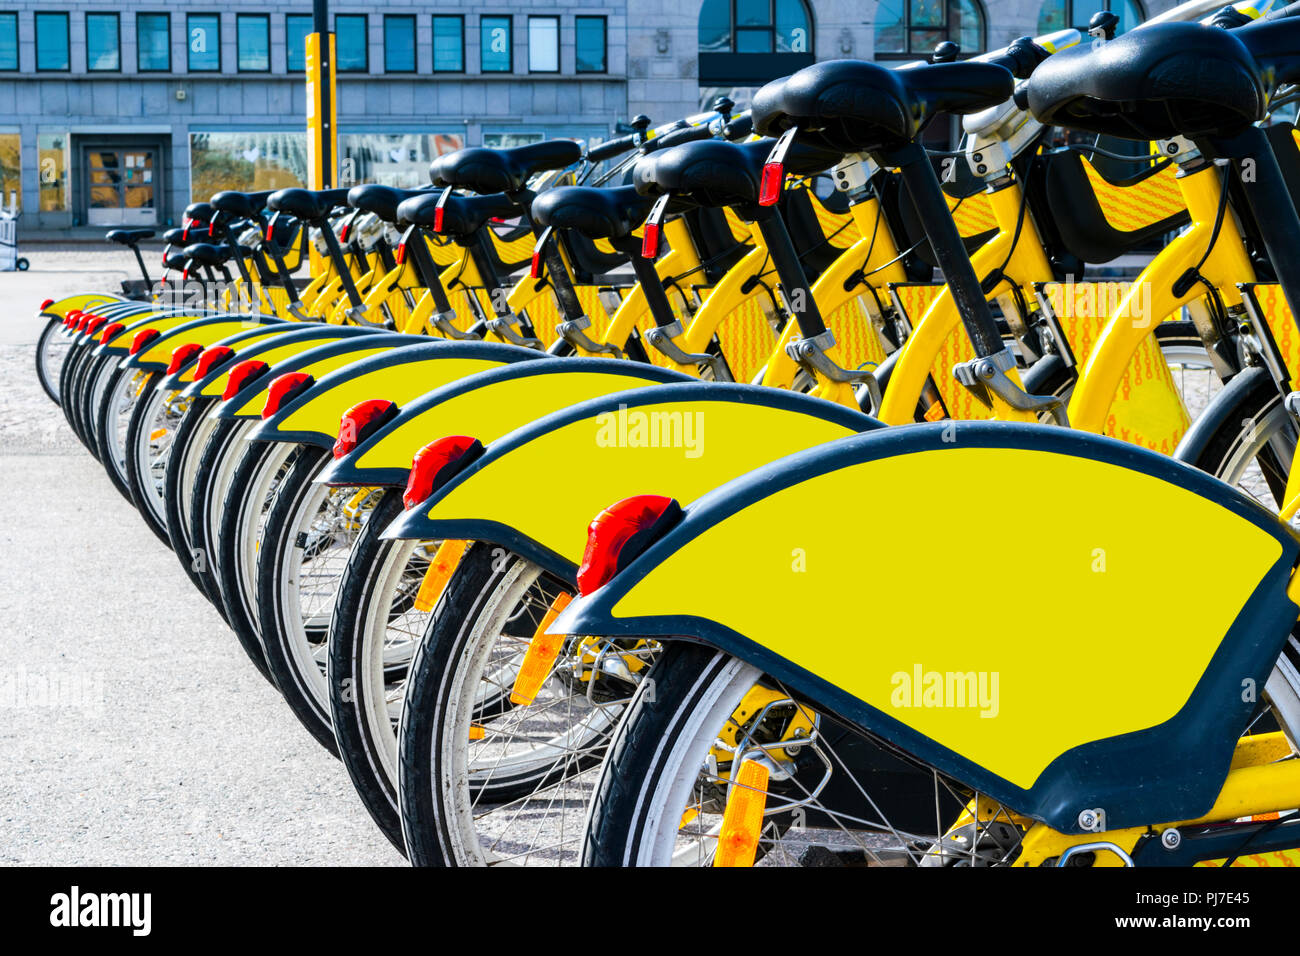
x=51 y=350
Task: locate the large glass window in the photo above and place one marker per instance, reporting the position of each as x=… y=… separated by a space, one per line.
x=246 y=161
x=52 y=42
x=589 y=45
x=11 y=170
x=913 y=28
x=392 y=159
x=351 y=43
x=52 y=171
x=448 y=44
x=399 y=44
x=8 y=41
x=153 y=42
x=103 y=43
x=495 y=45
x=755 y=26
x=297 y=27
x=543 y=44
x=1056 y=15
x=203 y=41
x=253 y=42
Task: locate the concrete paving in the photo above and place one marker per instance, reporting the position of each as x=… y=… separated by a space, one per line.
x=132 y=728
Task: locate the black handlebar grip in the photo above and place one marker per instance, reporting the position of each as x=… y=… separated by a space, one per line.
x=612 y=147
x=678 y=136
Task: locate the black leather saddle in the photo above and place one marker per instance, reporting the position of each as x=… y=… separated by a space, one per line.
x=501 y=170
x=717 y=173
x=199 y=210
x=207 y=254
x=310 y=205
x=856 y=106
x=595 y=213
x=241 y=205
x=381 y=200
x=129 y=237
x=1169 y=79
x=178 y=261
x=462 y=216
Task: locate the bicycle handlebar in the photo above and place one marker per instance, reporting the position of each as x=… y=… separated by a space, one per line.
x=613 y=147
x=688 y=134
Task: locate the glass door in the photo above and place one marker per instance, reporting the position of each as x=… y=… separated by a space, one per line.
x=121 y=185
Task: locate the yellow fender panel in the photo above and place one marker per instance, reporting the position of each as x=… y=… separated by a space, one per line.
x=207 y=333
x=249 y=403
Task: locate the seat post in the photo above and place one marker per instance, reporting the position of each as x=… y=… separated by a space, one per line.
x=135 y=247
x=927 y=195
x=794 y=281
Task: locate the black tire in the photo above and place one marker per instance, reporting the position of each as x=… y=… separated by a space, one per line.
x=1246 y=421
x=137 y=445
x=217 y=459
x=278 y=631
x=366 y=592
x=70 y=385
x=93 y=392
x=251 y=487
x=108 y=418
x=50 y=350
x=182 y=467
x=428 y=810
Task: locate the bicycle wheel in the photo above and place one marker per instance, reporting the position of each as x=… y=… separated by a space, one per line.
x=257 y=475
x=113 y=415
x=309 y=532
x=373 y=635
x=178 y=491
x=484 y=780
x=833 y=796
x=51 y=351
x=149 y=435
x=217 y=461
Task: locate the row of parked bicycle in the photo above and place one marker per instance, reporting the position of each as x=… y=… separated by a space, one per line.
x=760 y=488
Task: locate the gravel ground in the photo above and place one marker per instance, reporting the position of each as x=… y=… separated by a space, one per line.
x=132 y=728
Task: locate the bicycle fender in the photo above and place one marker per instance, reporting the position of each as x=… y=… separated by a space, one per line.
x=1136 y=713
x=398 y=375
x=687 y=437
x=82 y=300
x=205 y=331
x=487 y=406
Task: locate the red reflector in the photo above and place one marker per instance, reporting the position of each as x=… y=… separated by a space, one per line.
x=769 y=187
x=436 y=463
x=182 y=355
x=621 y=532
x=142 y=338
x=210 y=225
x=437 y=218
x=185 y=233
x=343 y=232
x=111 y=332
x=94 y=324
x=210 y=359
x=46 y=304
x=400 y=255
x=650 y=241
x=535 y=270
x=83 y=319
x=360 y=421
x=284 y=388
x=241 y=375
x=70 y=318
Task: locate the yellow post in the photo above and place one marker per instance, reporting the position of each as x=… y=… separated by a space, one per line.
x=322 y=111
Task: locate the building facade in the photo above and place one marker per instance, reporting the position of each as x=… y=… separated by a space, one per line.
x=121 y=115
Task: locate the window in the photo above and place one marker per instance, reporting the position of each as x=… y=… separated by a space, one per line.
x=399 y=44
x=589 y=45
x=8 y=41
x=543 y=44
x=103 y=46
x=1059 y=14
x=913 y=28
x=153 y=42
x=246 y=161
x=52 y=41
x=11 y=186
x=755 y=26
x=297 y=27
x=448 y=44
x=253 y=42
x=395 y=159
x=495 y=45
x=203 y=40
x=351 y=48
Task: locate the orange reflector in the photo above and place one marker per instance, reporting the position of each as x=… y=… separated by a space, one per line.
x=444 y=562
x=476 y=732
x=690 y=814
x=743 y=819
x=540 y=656
x=157 y=433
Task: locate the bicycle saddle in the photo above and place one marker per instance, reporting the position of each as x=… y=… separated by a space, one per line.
x=128 y=237
x=462 y=216
x=595 y=213
x=206 y=254
x=381 y=200
x=854 y=106
x=717 y=173
x=178 y=261
x=174 y=237
x=312 y=205
x=501 y=170
x=241 y=205
x=1167 y=80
